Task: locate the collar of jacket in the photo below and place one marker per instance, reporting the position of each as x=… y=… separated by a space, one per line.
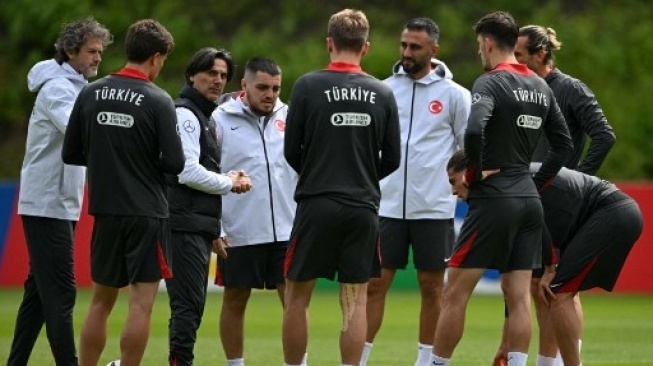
x=192 y=94
x=554 y=74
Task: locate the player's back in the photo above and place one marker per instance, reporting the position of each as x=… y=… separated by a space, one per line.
x=122 y=145
x=515 y=106
x=522 y=103
x=346 y=117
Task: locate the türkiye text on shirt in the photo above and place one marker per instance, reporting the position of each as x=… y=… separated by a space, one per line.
x=357 y=94
x=530 y=96
x=125 y=95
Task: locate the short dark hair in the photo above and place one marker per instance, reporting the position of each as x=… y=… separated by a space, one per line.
x=425 y=24
x=73 y=35
x=540 y=38
x=501 y=27
x=349 y=30
x=262 y=64
x=457 y=162
x=204 y=59
x=146 y=38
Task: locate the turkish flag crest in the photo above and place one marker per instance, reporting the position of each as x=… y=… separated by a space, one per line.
x=281 y=125
x=435 y=107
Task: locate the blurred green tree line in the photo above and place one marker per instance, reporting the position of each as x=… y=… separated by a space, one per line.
x=605 y=43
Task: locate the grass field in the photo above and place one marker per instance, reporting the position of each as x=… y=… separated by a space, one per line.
x=618 y=331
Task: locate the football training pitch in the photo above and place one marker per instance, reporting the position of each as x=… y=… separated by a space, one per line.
x=618 y=330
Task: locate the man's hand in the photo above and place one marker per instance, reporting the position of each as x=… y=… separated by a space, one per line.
x=487 y=173
x=545 y=294
x=240 y=181
x=220 y=246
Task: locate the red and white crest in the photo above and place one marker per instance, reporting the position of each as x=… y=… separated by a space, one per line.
x=435 y=107
x=281 y=125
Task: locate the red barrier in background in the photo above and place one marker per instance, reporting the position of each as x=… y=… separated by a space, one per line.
x=14 y=266
x=637 y=275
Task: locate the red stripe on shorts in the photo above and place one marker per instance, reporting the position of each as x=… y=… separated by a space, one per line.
x=289 y=256
x=574 y=284
x=163 y=265
x=459 y=256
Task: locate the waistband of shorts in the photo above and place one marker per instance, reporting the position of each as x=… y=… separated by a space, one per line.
x=612 y=198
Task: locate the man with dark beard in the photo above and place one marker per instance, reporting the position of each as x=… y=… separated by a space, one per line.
x=417 y=206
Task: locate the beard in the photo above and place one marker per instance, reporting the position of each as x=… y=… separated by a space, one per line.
x=91 y=72
x=411 y=66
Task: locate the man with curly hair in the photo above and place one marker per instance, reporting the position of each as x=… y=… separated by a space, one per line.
x=50 y=197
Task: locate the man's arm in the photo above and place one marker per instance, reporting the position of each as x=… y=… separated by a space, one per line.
x=557 y=133
x=171 y=158
x=194 y=174
x=391 y=148
x=481 y=111
x=593 y=122
x=58 y=102
x=72 y=151
x=462 y=108
x=294 y=135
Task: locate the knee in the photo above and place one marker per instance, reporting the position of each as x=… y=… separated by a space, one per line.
x=376 y=288
x=563 y=300
x=431 y=283
x=236 y=298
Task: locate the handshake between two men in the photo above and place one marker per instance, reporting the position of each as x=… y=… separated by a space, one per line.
x=240 y=181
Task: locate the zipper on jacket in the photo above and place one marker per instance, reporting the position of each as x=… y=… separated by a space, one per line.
x=410 y=130
x=267 y=166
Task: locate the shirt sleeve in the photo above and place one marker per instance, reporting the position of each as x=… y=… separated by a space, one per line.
x=391 y=148
x=194 y=174
x=58 y=102
x=590 y=116
x=72 y=151
x=294 y=134
x=462 y=108
x=171 y=158
x=482 y=106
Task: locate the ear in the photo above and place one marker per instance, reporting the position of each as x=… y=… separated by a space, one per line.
x=153 y=59
x=488 y=44
x=435 y=50
x=539 y=56
x=366 y=48
x=329 y=44
x=243 y=84
x=71 y=55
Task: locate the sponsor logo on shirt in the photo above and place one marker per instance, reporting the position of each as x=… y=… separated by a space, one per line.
x=476 y=97
x=435 y=107
x=115 y=119
x=280 y=124
x=351 y=119
x=189 y=126
x=526 y=121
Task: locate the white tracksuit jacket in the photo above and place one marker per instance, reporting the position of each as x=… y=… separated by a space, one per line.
x=48 y=187
x=265 y=213
x=433 y=114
